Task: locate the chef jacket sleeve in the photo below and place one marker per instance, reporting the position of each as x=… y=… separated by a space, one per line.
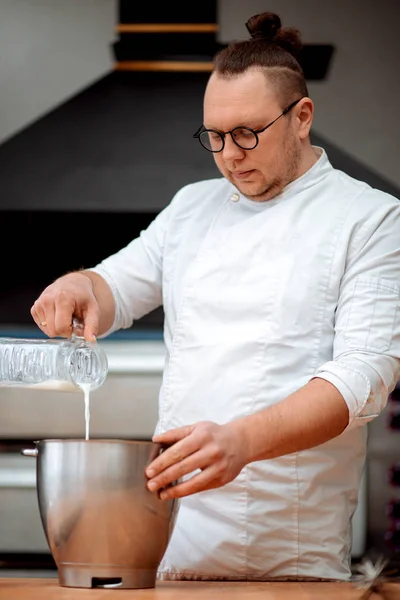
x=134 y=273
x=366 y=366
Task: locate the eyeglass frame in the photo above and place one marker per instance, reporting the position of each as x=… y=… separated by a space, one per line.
x=223 y=134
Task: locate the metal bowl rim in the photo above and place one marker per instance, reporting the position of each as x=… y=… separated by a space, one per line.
x=94 y=440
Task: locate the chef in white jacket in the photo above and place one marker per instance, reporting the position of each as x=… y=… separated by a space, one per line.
x=280 y=285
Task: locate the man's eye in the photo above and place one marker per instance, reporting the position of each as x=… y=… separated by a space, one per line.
x=243 y=133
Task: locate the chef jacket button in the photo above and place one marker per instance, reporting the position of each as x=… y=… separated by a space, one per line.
x=235 y=197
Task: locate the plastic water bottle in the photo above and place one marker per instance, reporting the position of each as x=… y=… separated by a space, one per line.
x=53 y=364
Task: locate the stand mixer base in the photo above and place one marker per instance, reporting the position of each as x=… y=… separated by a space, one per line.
x=103 y=576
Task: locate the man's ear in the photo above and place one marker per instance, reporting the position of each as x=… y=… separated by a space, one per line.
x=304 y=113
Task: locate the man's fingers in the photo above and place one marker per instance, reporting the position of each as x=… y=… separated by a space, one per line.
x=91 y=322
x=205 y=480
x=44 y=318
x=38 y=317
x=197 y=460
x=173 y=435
x=175 y=453
x=89 y=330
x=63 y=319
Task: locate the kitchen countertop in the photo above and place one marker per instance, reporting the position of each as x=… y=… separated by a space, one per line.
x=49 y=589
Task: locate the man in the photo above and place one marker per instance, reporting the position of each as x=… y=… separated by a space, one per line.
x=280 y=287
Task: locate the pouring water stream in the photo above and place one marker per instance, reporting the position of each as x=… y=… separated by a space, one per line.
x=85 y=387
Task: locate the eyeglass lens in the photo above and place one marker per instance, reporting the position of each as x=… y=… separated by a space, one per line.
x=214 y=141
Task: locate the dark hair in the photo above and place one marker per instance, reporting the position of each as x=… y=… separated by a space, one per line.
x=272 y=48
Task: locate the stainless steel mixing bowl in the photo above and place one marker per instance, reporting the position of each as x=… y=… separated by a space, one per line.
x=103 y=527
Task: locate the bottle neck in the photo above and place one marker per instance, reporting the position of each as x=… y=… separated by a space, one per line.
x=86 y=364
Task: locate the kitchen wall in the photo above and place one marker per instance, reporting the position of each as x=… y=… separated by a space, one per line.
x=49 y=50
x=357 y=108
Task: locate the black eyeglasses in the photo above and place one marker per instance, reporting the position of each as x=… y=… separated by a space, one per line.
x=244 y=137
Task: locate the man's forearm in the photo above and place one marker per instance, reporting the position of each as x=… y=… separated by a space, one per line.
x=310 y=416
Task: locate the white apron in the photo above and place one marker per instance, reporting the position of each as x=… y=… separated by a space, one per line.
x=239 y=344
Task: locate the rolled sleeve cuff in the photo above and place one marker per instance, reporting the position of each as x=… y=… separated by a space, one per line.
x=121 y=321
x=355 y=388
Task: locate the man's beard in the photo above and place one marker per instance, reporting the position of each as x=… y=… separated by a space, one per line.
x=288 y=167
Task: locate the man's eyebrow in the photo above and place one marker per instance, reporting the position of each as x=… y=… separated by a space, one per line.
x=249 y=124
x=255 y=125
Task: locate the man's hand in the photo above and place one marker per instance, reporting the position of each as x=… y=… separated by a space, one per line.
x=311 y=416
x=217 y=450
x=83 y=295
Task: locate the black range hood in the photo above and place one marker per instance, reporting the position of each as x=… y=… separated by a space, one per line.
x=123 y=145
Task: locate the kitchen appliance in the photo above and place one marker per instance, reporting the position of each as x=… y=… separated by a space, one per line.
x=384 y=474
x=103 y=526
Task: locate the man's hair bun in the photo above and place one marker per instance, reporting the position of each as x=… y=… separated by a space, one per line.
x=268 y=27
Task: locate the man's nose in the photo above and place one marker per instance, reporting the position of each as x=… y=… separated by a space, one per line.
x=231 y=150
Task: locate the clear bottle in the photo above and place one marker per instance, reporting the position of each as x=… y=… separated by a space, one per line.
x=53 y=364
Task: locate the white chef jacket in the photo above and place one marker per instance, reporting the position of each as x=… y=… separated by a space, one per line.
x=259 y=298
